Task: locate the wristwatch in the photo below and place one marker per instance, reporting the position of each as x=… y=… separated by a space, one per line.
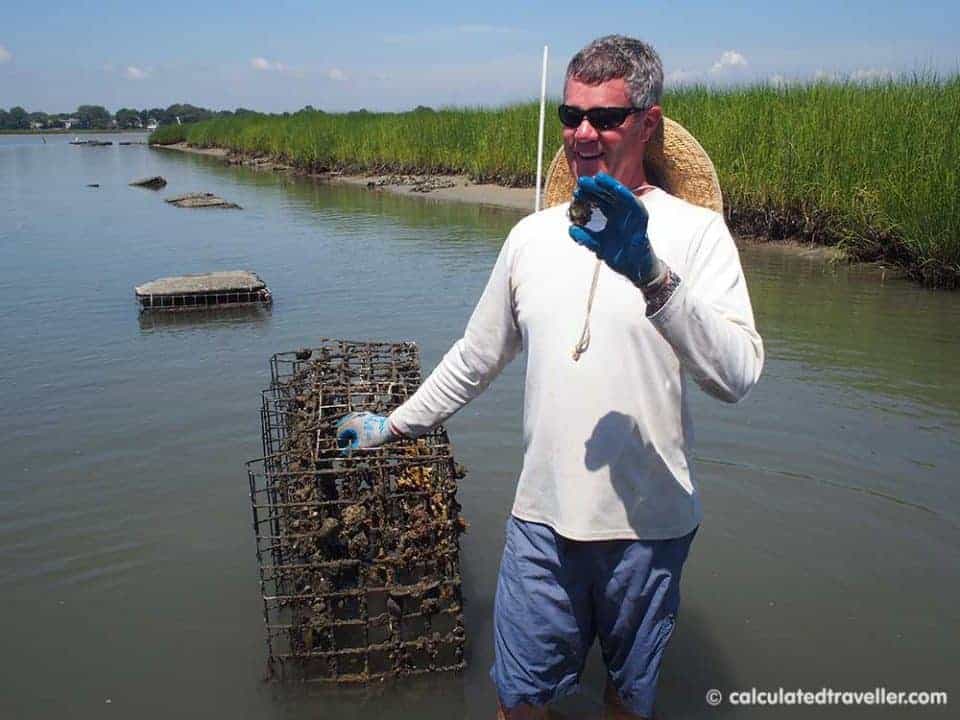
x=659 y=291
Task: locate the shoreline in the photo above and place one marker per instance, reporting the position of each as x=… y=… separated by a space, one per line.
x=454 y=188
x=462 y=189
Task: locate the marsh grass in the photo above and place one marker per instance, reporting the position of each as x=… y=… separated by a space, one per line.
x=873 y=168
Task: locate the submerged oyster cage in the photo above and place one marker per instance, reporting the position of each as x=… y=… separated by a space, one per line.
x=203 y=291
x=359 y=556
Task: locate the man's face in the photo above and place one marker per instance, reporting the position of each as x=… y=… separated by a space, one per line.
x=617 y=151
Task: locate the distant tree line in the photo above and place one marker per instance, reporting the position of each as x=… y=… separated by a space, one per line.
x=97 y=117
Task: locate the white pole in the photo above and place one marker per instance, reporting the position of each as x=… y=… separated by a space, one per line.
x=543 y=100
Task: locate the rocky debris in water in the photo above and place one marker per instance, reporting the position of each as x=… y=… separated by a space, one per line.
x=154 y=183
x=417 y=183
x=432 y=183
x=128 y=142
x=256 y=162
x=201 y=200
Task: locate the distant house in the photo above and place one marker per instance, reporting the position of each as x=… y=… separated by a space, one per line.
x=36 y=125
x=70 y=122
x=152 y=124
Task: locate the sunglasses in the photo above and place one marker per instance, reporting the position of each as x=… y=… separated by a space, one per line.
x=602 y=118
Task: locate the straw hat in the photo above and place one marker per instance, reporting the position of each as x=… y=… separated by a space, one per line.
x=674 y=161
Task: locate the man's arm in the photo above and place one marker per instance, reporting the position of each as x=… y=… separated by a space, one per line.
x=490 y=341
x=708 y=319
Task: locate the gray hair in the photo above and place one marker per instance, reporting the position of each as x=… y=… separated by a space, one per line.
x=619 y=56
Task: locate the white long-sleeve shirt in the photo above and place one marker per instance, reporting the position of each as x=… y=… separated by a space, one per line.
x=607 y=439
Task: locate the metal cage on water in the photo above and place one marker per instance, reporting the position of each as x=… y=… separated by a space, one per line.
x=359 y=555
x=201 y=291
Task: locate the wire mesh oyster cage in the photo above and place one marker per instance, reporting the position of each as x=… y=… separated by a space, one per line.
x=359 y=555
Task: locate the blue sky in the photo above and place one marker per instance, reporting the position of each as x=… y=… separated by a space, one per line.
x=389 y=56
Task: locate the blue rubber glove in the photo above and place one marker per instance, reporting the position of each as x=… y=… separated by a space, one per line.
x=362 y=430
x=623 y=243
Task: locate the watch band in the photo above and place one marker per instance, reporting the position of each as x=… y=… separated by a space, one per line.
x=658 y=293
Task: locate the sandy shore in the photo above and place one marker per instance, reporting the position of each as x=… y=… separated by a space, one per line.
x=460 y=188
x=183 y=147
x=826 y=253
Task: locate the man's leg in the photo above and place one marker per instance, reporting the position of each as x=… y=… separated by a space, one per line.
x=543 y=620
x=522 y=712
x=529 y=712
x=636 y=599
x=613 y=707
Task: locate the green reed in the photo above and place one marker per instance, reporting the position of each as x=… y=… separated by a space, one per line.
x=874 y=168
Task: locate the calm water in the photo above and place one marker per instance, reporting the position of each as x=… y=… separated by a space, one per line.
x=829 y=555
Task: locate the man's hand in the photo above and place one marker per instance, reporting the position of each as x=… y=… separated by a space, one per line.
x=623 y=243
x=363 y=430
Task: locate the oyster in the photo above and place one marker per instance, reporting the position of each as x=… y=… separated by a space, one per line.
x=580 y=212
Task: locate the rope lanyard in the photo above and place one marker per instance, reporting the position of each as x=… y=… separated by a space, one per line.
x=584 y=342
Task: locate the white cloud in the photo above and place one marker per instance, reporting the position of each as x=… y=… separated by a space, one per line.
x=868 y=75
x=5 y=55
x=336 y=74
x=824 y=76
x=134 y=73
x=260 y=63
x=679 y=77
x=778 y=80
x=729 y=59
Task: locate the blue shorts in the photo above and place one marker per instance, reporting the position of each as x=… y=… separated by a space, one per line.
x=554 y=595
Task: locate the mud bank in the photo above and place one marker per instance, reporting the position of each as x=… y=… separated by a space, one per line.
x=456 y=188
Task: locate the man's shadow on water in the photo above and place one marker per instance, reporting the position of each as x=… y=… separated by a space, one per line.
x=694 y=662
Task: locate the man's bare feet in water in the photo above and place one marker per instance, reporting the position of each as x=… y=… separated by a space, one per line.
x=613 y=708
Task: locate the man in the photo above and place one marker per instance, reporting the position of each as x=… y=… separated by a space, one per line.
x=606 y=507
